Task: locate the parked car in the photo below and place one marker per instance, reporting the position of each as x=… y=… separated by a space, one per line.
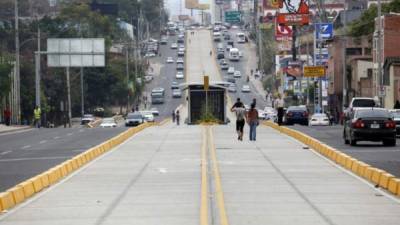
x=224 y=66
x=232 y=88
x=108 y=122
x=87 y=118
x=237 y=74
x=179 y=75
x=174 y=85
x=179 y=60
x=134 y=119
x=245 y=88
x=231 y=70
x=370 y=124
x=170 y=60
x=176 y=93
x=220 y=55
x=181 y=53
x=319 y=119
x=396 y=117
x=296 y=114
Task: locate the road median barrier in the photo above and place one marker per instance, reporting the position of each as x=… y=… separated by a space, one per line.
x=26 y=189
x=374 y=175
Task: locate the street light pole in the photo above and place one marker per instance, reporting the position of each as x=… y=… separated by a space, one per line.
x=379 y=52
x=17 y=67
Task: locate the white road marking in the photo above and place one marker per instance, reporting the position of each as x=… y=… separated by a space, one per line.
x=162 y=170
x=57 y=137
x=81 y=130
x=69 y=134
x=42 y=142
x=26 y=146
x=34 y=158
x=4 y=153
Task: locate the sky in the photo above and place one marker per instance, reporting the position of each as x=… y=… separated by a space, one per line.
x=175 y=5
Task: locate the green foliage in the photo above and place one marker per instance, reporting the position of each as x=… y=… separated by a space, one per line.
x=268 y=53
x=365 y=25
x=207 y=116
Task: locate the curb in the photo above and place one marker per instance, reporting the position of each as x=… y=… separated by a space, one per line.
x=16 y=130
x=34 y=185
x=378 y=177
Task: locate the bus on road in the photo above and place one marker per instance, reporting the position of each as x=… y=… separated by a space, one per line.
x=234 y=54
x=157 y=96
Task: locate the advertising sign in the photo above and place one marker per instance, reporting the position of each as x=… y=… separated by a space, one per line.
x=290 y=19
x=275 y=4
x=314 y=71
x=284 y=46
x=283 y=32
x=324 y=31
x=191 y=4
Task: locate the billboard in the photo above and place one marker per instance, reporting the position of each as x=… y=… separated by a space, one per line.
x=75 y=52
x=191 y=4
x=294 y=13
x=283 y=32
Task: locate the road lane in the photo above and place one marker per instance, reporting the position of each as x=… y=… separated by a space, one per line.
x=375 y=154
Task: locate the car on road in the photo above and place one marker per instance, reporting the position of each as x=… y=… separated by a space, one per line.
x=220 y=55
x=148 y=116
x=231 y=70
x=108 y=122
x=134 y=119
x=155 y=111
x=270 y=113
x=360 y=102
x=181 y=53
x=396 y=117
x=150 y=54
x=261 y=114
x=174 y=85
x=231 y=80
x=174 y=46
x=148 y=78
x=170 y=60
x=181 y=49
x=237 y=74
x=87 y=118
x=179 y=60
x=228 y=47
x=227 y=37
x=245 y=88
x=370 y=124
x=319 y=119
x=180 y=67
x=176 y=93
x=224 y=66
x=222 y=61
x=296 y=114
x=164 y=41
x=232 y=88
x=179 y=75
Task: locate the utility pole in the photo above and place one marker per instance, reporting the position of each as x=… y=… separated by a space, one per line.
x=82 y=94
x=17 y=66
x=69 y=98
x=379 y=52
x=127 y=77
x=344 y=41
x=37 y=71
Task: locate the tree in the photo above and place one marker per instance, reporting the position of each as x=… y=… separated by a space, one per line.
x=365 y=25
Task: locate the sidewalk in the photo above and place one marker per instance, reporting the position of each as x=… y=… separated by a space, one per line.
x=156 y=178
x=8 y=129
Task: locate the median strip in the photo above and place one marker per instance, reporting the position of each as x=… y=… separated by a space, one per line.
x=378 y=177
x=32 y=186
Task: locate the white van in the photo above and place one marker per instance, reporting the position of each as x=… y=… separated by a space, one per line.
x=234 y=54
x=240 y=38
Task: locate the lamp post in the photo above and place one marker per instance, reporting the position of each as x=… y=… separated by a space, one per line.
x=17 y=97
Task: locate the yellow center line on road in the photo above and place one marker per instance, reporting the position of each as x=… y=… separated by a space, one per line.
x=204 y=184
x=217 y=179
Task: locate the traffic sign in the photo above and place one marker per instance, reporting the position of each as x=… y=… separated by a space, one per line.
x=232 y=16
x=323 y=31
x=314 y=71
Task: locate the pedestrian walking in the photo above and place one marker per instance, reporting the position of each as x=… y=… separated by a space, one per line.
x=237 y=104
x=240 y=112
x=254 y=102
x=252 y=120
x=7 y=116
x=37 y=115
x=279 y=103
x=173 y=116
x=177 y=117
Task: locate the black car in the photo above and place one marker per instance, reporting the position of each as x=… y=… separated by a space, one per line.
x=370 y=124
x=227 y=37
x=396 y=118
x=180 y=66
x=296 y=114
x=220 y=55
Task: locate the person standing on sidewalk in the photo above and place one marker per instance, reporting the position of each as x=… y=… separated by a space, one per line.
x=252 y=120
x=279 y=103
x=7 y=116
x=37 y=115
x=173 y=116
x=240 y=112
x=177 y=117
